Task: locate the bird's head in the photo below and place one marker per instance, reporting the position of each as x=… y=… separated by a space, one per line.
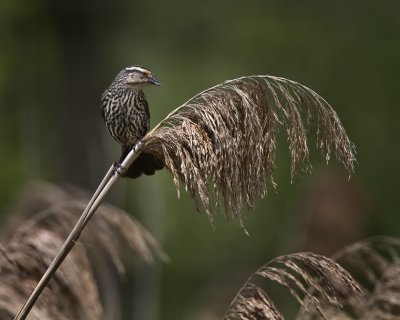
x=136 y=77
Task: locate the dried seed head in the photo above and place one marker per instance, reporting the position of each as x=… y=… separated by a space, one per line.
x=224 y=139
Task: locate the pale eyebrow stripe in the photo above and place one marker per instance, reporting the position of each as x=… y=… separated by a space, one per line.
x=142 y=70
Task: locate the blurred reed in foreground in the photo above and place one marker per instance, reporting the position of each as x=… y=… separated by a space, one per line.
x=369 y=287
x=79 y=290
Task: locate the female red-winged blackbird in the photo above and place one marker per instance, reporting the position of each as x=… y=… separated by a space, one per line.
x=127 y=117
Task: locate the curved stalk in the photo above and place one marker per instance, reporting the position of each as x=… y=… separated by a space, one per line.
x=105 y=186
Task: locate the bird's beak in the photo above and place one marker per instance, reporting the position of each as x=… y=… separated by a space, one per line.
x=153 y=80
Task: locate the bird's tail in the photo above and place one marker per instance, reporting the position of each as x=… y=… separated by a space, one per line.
x=145 y=164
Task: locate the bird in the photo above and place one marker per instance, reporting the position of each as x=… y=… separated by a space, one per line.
x=125 y=111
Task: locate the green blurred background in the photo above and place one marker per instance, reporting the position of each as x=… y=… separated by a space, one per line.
x=57 y=57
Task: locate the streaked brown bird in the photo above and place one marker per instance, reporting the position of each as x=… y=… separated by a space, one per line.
x=126 y=113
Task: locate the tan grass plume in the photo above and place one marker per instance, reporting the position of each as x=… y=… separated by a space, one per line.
x=313 y=280
x=224 y=139
x=75 y=290
x=361 y=283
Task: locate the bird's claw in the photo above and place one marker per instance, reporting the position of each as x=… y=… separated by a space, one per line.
x=118 y=168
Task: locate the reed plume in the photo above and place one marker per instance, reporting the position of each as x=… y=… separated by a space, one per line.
x=224 y=139
x=74 y=292
x=313 y=280
x=363 y=283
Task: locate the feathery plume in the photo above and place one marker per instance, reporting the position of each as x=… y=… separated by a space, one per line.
x=363 y=283
x=74 y=292
x=313 y=280
x=224 y=139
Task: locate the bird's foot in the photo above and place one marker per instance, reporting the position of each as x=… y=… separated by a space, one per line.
x=118 y=168
x=138 y=144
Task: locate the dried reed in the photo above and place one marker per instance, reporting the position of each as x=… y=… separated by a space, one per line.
x=224 y=139
x=298 y=273
x=73 y=293
x=324 y=289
